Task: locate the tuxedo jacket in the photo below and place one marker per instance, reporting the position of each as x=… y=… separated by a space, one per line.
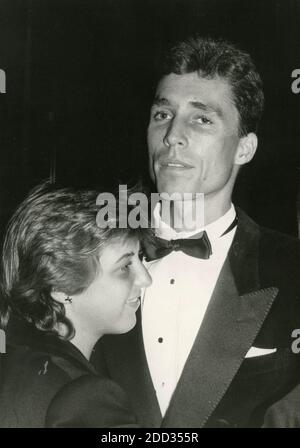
x=45 y=381
x=285 y=413
x=241 y=361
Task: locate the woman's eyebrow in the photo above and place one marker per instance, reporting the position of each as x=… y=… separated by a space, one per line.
x=127 y=255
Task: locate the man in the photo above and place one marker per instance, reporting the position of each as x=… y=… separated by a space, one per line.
x=213 y=345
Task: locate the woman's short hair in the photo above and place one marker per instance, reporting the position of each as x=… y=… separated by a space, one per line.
x=53 y=242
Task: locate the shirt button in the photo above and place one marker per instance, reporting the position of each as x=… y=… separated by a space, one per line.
x=160 y=340
x=172 y=281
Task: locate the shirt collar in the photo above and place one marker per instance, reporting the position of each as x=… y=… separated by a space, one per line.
x=214 y=230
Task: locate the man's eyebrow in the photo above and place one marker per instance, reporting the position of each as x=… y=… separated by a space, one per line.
x=207 y=107
x=210 y=107
x=160 y=101
x=127 y=255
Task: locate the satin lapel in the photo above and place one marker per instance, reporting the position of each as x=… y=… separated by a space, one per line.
x=230 y=326
x=244 y=254
x=126 y=358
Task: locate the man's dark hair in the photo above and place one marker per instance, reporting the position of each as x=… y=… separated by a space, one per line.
x=211 y=58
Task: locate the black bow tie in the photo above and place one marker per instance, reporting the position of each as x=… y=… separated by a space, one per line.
x=197 y=246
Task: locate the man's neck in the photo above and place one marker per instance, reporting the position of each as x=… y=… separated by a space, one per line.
x=191 y=215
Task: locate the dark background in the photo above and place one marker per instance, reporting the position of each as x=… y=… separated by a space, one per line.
x=80 y=75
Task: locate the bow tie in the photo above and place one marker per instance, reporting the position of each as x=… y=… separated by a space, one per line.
x=197 y=246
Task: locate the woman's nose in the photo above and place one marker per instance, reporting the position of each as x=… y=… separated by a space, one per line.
x=143 y=278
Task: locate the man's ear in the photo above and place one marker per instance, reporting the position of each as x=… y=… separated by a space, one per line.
x=59 y=296
x=246 y=149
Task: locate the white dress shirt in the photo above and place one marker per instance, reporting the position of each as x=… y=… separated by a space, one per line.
x=174 y=305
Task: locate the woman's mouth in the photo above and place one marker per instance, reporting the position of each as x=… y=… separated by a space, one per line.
x=133 y=302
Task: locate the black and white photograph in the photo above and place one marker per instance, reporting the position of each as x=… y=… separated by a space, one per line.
x=149 y=216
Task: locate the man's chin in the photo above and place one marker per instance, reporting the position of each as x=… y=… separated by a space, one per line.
x=173 y=189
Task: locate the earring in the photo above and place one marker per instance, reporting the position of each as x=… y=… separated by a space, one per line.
x=68 y=299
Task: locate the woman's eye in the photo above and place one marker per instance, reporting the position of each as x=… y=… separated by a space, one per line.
x=141 y=254
x=126 y=267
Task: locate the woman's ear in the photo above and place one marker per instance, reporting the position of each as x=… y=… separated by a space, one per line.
x=246 y=149
x=59 y=296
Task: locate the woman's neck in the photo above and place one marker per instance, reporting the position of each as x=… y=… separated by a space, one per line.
x=84 y=344
x=83 y=340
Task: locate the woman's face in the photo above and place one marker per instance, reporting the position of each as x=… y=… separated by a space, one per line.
x=109 y=304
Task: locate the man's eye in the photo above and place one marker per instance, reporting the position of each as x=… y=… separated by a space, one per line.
x=203 y=120
x=161 y=115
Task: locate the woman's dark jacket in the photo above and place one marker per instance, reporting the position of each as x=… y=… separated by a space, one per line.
x=46 y=381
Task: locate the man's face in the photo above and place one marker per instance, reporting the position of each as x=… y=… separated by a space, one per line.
x=193 y=135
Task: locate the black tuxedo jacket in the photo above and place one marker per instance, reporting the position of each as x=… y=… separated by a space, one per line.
x=256 y=303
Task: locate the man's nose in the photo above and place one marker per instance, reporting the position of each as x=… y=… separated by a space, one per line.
x=143 y=278
x=175 y=135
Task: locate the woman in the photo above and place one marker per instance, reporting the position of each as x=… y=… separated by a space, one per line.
x=66 y=283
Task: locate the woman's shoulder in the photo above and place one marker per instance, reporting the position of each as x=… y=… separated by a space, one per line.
x=91 y=402
x=32 y=366
x=30 y=378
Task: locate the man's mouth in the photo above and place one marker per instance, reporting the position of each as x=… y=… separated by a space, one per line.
x=175 y=164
